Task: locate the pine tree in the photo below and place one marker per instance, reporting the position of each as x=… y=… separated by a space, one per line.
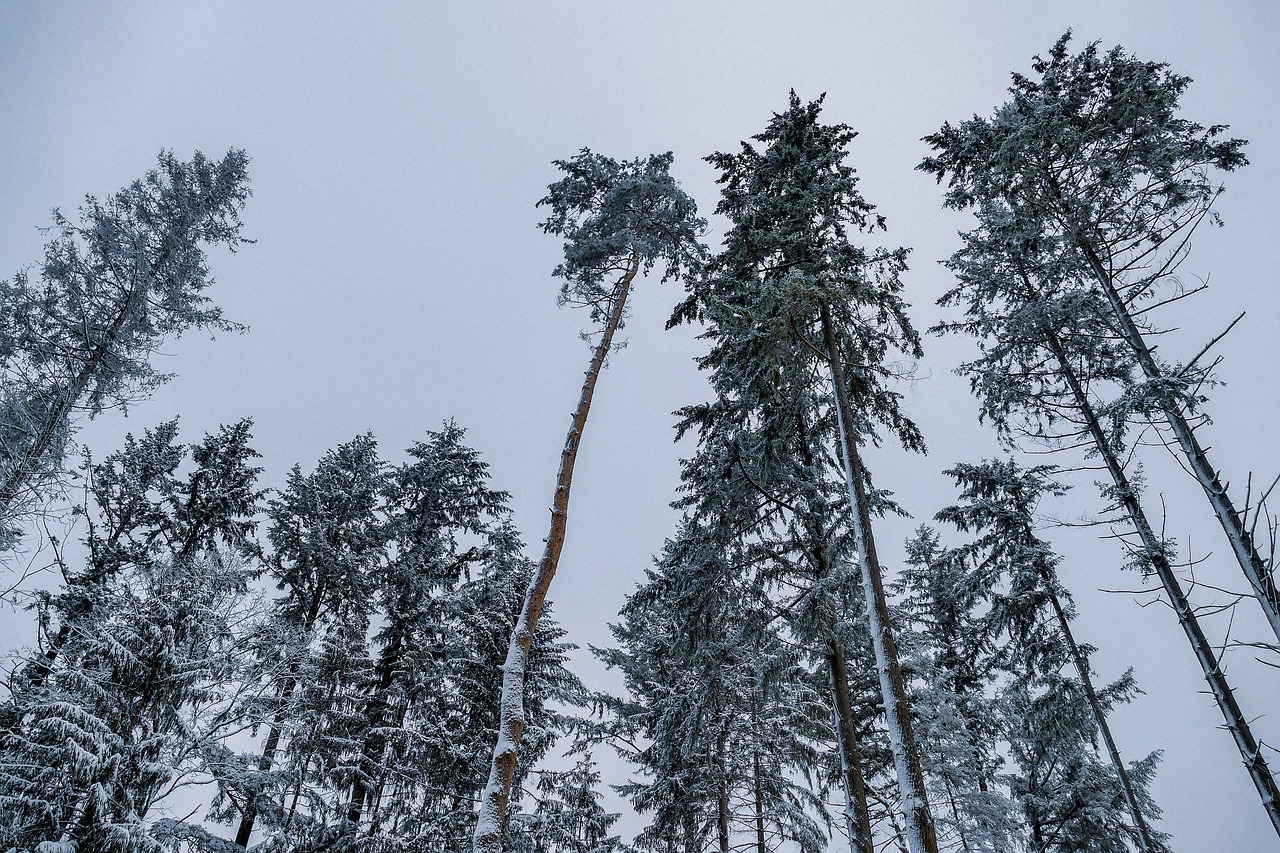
x=618 y=219
x=77 y=337
x=954 y=658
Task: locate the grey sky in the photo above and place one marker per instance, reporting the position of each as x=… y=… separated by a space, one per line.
x=399 y=279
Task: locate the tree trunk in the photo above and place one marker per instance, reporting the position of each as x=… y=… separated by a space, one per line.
x=1236 y=722
x=722 y=797
x=1100 y=717
x=758 y=787
x=857 y=814
x=61 y=412
x=1256 y=571
x=511 y=717
x=921 y=836
x=250 y=814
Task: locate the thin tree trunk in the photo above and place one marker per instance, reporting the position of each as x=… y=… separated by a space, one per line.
x=1256 y=570
x=511 y=719
x=756 y=773
x=921 y=835
x=857 y=816
x=1082 y=668
x=375 y=740
x=857 y=813
x=250 y=815
x=24 y=467
x=1153 y=548
x=722 y=797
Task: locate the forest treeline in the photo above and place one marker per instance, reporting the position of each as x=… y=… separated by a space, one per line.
x=365 y=659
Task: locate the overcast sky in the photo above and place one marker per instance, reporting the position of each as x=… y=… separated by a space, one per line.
x=399 y=279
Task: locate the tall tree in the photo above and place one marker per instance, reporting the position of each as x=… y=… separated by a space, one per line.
x=722 y=714
x=1047 y=352
x=141 y=681
x=618 y=219
x=760 y=483
x=78 y=336
x=790 y=294
x=140 y=511
x=327 y=540
x=998 y=503
x=953 y=659
x=1093 y=155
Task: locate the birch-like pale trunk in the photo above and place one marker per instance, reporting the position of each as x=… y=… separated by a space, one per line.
x=511 y=714
x=1256 y=570
x=1153 y=550
x=918 y=821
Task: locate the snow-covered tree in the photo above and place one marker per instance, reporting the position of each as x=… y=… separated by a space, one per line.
x=131 y=696
x=1092 y=156
x=76 y=336
x=722 y=716
x=1053 y=371
x=327 y=540
x=954 y=661
x=1033 y=610
x=618 y=219
x=790 y=298
x=569 y=817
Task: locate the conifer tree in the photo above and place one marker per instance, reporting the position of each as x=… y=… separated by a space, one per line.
x=327 y=540
x=569 y=817
x=1047 y=353
x=789 y=298
x=618 y=219
x=723 y=702
x=140 y=510
x=77 y=337
x=1092 y=156
x=954 y=660
x=141 y=682
x=999 y=502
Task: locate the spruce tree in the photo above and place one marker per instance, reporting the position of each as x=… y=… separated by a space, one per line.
x=1092 y=156
x=790 y=298
x=77 y=337
x=142 y=680
x=1048 y=356
x=999 y=500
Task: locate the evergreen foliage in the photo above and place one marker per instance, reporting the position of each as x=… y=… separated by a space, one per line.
x=77 y=337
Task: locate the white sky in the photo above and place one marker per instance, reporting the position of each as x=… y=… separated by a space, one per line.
x=399 y=279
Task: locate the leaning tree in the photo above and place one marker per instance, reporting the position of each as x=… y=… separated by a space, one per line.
x=619 y=219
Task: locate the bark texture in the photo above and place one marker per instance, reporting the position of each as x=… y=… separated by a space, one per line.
x=511 y=718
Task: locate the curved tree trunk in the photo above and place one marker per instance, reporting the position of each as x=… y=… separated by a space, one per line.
x=1153 y=549
x=920 y=832
x=511 y=716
